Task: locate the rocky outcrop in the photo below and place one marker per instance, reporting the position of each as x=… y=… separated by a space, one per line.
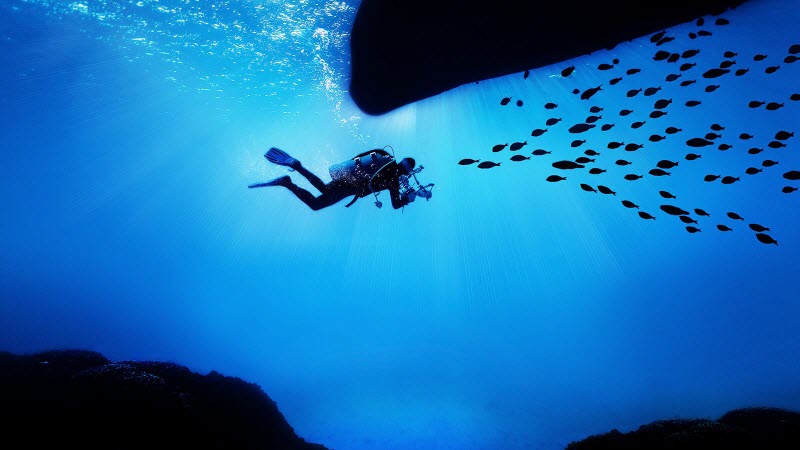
x=80 y=399
x=740 y=429
x=403 y=51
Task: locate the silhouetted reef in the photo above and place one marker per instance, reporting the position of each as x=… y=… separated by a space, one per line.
x=80 y=399
x=741 y=429
x=403 y=51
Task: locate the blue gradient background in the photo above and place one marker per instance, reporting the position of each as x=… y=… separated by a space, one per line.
x=507 y=312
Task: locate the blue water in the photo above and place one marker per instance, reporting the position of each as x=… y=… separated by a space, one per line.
x=507 y=312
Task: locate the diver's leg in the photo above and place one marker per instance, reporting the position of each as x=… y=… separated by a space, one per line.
x=331 y=194
x=313 y=179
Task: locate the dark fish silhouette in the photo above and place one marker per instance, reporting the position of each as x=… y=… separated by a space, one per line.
x=686 y=66
x=792 y=175
x=519 y=102
x=794 y=49
x=552 y=121
x=722 y=21
x=576 y=91
x=759 y=57
x=788 y=189
x=661 y=55
x=687 y=219
x=726 y=64
x=752 y=171
x=595 y=109
x=664 y=40
x=765 y=239
x=692 y=35
x=605 y=67
x=550 y=106
x=591 y=152
x=555 y=178
x=596 y=171
x=745 y=136
x=729 y=179
x=468 y=161
x=772 y=69
x=776 y=144
x=723 y=228
x=633 y=92
x=690 y=53
x=692 y=230
x=712 y=87
x=673 y=210
x=658 y=172
x=740 y=72
x=729 y=54
x=614 y=81
x=656 y=138
x=588 y=188
x=724 y=147
x=593 y=119
x=758 y=228
x=672 y=77
x=666 y=164
x=614 y=144
x=540 y=152
x=526 y=74
x=567 y=165
x=520 y=158
x=666 y=194
x=700 y=212
x=772 y=106
x=672 y=130
x=607 y=126
x=715 y=73
x=651 y=91
x=657 y=114
x=583 y=160
x=790 y=59
x=622 y=162
x=632 y=177
x=769 y=163
x=657 y=37
x=704 y=33
x=646 y=216
x=625 y=112
x=692 y=103
x=633 y=71
x=577 y=143
x=580 y=128
x=633 y=147
x=755 y=104
x=538 y=132
x=794 y=97
x=688 y=83
x=712 y=136
x=710 y=178
x=605 y=190
x=783 y=135
x=518 y=145
x=692 y=156
x=587 y=94
x=674 y=57
x=717 y=127
x=661 y=104
x=499 y=147
x=629 y=204
x=505 y=101
x=568 y=71
x=755 y=151
x=637 y=124
x=735 y=216
x=487 y=165
x=698 y=142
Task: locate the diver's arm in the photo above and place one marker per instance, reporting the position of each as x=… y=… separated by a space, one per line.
x=394 y=192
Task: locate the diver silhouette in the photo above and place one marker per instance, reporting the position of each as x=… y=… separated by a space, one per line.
x=366 y=173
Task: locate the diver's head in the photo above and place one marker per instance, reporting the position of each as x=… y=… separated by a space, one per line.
x=407 y=165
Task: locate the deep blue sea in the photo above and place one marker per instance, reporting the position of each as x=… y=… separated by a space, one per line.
x=505 y=313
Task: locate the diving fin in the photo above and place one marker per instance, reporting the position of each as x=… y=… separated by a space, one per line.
x=281 y=158
x=280 y=181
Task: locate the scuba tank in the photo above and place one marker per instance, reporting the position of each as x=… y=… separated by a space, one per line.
x=362 y=168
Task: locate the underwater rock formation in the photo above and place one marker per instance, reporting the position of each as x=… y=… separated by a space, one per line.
x=740 y=429
x=403 y=51
x=80 y=399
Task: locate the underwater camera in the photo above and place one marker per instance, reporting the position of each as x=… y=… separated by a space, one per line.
x=410 y=186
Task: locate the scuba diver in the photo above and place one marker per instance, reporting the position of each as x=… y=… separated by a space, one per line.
x=367 y=173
